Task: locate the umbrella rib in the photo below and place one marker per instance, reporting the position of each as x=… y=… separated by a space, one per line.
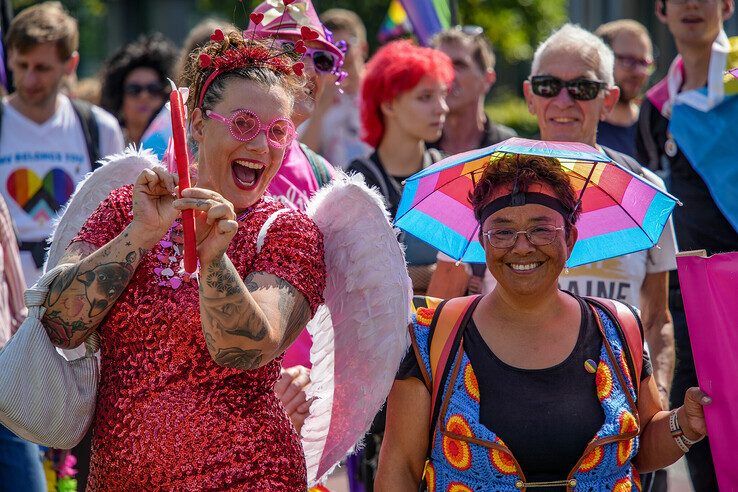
x=431 y=193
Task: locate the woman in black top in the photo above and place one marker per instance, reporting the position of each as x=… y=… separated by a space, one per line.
x=403 y=105
x=555 y=408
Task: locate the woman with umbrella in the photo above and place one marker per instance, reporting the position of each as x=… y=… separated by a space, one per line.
x=530 y=386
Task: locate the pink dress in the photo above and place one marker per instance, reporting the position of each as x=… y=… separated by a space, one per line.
x=167 y=416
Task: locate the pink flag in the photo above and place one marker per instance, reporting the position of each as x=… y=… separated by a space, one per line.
x=709 y=287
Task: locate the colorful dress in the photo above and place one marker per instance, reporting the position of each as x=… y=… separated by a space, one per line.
x=467 y=456
x=167 y=416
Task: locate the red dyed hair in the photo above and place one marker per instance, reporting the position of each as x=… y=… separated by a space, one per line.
x=395 y=69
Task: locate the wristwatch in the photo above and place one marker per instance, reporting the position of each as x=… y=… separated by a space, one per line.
x=677 y=433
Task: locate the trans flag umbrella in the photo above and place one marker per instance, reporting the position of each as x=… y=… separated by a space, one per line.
x=620 y=212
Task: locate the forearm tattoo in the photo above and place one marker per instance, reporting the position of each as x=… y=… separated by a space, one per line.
x=81 y=296
x=229 y=312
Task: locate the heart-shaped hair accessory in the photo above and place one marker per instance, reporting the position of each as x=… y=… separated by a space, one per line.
x=287 y=2
x=256 y=17
x=204 y=60
x=309 y=34
x=300 y=47
x=217 y=36
x=297 y=68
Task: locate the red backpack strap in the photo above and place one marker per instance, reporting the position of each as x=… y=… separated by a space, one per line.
x=630 y=327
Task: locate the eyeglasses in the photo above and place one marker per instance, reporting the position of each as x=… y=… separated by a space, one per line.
x=245 y=126
x=632 y=63
x=541 y=235
x=682 y=2
x=323 y=61
x=579 y=89
x=133 y=89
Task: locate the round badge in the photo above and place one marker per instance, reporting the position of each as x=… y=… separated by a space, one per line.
x=590 y=366
x=670 y=147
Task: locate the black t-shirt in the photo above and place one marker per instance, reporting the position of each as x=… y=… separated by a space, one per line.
x=545 y=416
x=619 y=138
x=699 y=223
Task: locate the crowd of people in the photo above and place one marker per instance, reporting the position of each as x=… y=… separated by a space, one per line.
x=542 y=385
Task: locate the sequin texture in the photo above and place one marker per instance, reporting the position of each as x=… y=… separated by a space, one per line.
x=167 y=416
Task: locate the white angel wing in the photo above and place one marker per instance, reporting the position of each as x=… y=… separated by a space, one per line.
x=360 y=334
x=117 y=170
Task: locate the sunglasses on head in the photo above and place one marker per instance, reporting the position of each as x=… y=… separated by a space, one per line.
x=155 y=89
x=579 y=89
x=323 y=61
x=245 y=126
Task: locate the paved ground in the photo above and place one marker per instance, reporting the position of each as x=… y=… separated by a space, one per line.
x=678 y=479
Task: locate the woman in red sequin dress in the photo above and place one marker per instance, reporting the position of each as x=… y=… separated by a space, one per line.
x=186 y=399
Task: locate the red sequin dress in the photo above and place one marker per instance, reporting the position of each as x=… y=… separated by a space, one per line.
x=167 y=416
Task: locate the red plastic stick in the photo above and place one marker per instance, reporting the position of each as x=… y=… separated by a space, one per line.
x=183 y=170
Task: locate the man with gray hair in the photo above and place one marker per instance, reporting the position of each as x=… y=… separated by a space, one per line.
x=570 y=90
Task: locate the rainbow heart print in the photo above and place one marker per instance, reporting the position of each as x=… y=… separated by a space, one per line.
x=40 y=197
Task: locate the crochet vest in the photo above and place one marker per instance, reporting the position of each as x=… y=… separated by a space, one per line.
x=466 y=456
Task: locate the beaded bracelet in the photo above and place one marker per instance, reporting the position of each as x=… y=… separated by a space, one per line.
x=677 y=433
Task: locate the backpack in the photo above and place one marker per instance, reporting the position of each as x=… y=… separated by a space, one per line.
x=320 y=167
x=451 y=315
x=90 y=129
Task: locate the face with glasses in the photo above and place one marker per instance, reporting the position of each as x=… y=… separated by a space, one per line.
x=694 y=23
x=319 y=62
x=633 y=63
x=143 y=95
x=567 y=95
x=527 y=247
x=242 y=140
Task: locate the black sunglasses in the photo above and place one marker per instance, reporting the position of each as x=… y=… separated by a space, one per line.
x=579 y=89
x=155 y=89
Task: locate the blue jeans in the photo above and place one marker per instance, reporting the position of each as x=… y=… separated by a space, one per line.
x=20 y=464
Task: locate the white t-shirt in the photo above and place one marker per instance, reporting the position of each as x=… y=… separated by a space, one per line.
x=40 y=165
x=617 y=278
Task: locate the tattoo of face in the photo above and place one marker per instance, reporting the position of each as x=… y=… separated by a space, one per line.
x=104 y=283
x=237 y=358
x=230 y=316
x=61 y=283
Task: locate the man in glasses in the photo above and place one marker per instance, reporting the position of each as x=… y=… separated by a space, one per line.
x=697 y=28
x=634 y=64
x=48 y=142
x=467 y=127
x=334 y=129
x=571 y=90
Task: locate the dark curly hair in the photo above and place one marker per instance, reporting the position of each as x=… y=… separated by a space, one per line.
x=524 y=170
x=153 y=51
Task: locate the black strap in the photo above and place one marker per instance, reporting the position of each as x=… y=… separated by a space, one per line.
x=644 y=129
x=90 y=129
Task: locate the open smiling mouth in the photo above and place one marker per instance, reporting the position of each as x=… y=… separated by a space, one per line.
x=525 y=267
x=246 y=174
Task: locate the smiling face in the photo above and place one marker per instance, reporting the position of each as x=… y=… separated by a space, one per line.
x=143 y=94
x=240 y=171
x=562 y=118
x=419 y=112
x=525 y=269
x=695 y=24
x=470 y=81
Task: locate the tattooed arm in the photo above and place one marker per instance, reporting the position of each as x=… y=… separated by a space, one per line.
x=81 y=296
x=248 y=323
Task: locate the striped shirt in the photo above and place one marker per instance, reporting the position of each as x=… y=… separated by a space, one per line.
x=12 y=282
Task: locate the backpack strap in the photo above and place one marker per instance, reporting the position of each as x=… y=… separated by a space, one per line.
x=629 y=326
x=90 y=129
x=319 y=166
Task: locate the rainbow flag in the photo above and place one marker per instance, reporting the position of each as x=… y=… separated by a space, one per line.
x=428 y=17
x=395 y=24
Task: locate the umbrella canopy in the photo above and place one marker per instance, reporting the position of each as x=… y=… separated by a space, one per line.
x=620 y=212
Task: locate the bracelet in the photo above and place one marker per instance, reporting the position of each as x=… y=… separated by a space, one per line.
x=677 y=433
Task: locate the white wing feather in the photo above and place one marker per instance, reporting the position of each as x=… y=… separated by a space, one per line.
x=360 y=335
x=117 y=170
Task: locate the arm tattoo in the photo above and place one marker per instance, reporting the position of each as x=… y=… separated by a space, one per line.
x=104 y=283
x=238 y=358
